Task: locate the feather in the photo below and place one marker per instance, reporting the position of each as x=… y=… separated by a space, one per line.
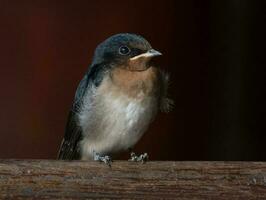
x=166 y=104
x=69 y=149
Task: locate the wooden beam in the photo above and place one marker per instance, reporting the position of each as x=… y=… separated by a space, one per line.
x=50 y=179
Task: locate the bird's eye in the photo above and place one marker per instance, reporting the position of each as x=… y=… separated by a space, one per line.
x=124 y=50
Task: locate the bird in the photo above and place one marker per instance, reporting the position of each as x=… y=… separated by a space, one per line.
x=115 y=102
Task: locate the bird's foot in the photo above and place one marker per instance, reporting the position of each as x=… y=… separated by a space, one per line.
x=106 y=159
x=141 y=158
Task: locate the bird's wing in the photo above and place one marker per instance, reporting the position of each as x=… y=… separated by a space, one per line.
x=69 y=149
x=166 y=104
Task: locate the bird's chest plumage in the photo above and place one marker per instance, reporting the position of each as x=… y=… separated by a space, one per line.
x=118 y=113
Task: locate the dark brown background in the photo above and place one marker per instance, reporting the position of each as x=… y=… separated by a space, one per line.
x=214 y=51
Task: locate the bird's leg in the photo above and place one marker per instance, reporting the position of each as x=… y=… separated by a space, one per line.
x=106 y=159
x=141 y=158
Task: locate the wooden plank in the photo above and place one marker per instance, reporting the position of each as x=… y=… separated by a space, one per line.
x=51 y=179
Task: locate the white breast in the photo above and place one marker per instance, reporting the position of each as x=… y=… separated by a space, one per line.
x=114 y=123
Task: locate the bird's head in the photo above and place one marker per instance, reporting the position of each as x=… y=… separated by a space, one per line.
x=129 y=51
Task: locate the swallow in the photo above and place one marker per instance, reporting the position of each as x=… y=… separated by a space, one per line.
x=115 y=102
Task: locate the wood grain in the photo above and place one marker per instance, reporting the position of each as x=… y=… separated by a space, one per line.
x=51 y=179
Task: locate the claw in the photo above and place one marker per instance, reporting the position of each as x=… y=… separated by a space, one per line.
x=106 y=159
x=141 y=158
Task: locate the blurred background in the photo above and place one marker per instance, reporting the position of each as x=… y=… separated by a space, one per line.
x=214 y=51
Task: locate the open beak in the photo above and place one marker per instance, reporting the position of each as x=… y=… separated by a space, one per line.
x=149 y=54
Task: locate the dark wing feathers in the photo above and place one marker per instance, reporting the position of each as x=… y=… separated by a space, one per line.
x=69 y=149
x=166 y=104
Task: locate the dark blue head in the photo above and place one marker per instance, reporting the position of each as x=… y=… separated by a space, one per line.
x=127 y=50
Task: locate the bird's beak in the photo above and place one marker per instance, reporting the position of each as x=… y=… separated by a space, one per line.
x=149 y=54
